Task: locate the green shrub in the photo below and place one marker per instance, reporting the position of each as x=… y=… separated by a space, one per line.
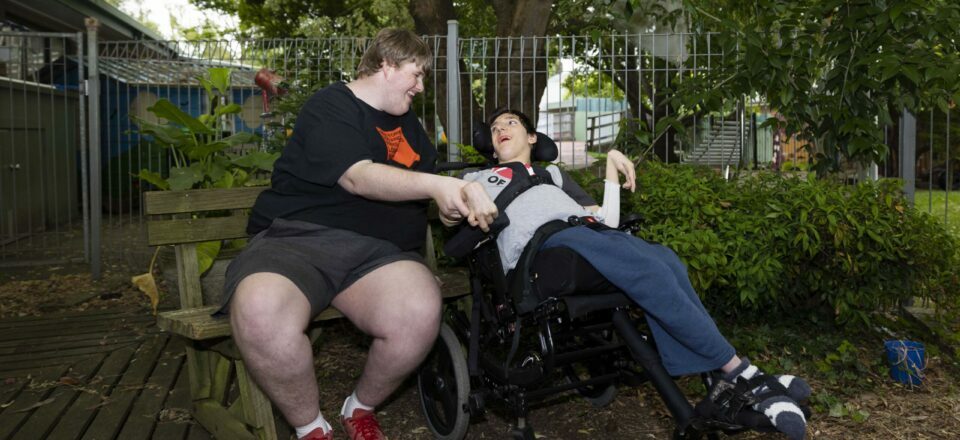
x=765 y=242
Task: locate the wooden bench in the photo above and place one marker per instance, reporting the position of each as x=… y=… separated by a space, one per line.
x=226 y=401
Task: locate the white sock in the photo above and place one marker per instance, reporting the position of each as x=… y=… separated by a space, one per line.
x=352 y=403
x=318 y=422
x=749 y=372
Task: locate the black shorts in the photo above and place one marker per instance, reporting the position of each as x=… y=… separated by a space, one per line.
x=320 y=260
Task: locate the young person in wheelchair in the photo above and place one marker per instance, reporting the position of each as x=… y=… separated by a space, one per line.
x=651 y=275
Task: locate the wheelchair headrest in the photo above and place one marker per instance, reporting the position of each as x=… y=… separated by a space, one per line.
x=545 y=150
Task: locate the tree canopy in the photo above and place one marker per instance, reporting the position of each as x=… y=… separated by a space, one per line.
x=312 y=18
x=837 y=71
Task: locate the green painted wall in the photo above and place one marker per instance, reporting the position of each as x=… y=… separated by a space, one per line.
x=39 y=149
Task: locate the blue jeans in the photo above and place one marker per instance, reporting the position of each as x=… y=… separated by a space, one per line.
x=654 y=277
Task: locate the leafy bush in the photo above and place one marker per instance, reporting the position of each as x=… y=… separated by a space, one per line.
x=766 y=242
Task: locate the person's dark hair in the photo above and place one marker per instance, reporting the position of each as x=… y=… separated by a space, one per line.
x=524 y=119
x=394 y=46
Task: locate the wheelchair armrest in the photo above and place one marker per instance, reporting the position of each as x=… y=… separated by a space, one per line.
x=630 y=223
x=468 y=237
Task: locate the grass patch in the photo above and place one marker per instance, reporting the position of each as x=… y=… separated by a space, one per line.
x=942 y=205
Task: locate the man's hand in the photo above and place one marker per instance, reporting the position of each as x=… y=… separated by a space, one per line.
x=473 y=203
x=617 y=162
x=453 y=208
x=481 y=209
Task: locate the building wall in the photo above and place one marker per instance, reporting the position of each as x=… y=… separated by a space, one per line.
x=39 y=149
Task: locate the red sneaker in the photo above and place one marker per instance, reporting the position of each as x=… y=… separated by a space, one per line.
x=362 y=426
x=318 y=434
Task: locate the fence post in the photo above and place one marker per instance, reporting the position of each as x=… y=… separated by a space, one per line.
x=453 y=91
x=84 y=178
x=741 y=129
x=93 y=103
x=753 y=139
x=908 y=154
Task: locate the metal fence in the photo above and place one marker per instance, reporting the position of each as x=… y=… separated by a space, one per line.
x=589 y=93
x=582 y=90
x=575 y=81
x=937 y=175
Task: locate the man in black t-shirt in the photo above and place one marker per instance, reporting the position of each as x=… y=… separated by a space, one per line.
x=342 y=224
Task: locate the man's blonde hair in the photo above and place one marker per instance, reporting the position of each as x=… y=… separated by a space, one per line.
x=394 y=47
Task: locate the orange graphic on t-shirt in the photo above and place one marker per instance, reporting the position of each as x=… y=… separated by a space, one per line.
x=398 y=149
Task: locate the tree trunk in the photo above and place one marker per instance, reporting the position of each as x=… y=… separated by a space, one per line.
x=430 y=18
x=516 y=73
x=517 y=66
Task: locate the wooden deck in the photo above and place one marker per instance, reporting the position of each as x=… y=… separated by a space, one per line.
x=92 y=375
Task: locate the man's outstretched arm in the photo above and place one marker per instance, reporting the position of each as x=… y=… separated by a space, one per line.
x=455 y=198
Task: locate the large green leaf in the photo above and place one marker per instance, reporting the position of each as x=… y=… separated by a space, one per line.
x=167 y=135
x=229 y=109
x=260 y=160
x=165 y=109
x=207 y=252
x=205 y=150
x=242 y=178
x=220 y=78
x=217 y=169
x=206 y=119
x=153 y=178
x=224 y=180
x=207 y=85
x=241 y=138
x=185 y=177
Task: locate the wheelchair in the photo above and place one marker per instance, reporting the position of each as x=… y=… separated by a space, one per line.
x=552 y=325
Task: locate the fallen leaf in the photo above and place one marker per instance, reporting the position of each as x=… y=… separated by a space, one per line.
x=148 y=285
x=7 y=404
x=176 y=415
x=35 y=405
x=67 y=380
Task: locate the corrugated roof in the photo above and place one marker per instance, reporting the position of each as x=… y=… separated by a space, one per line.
x=177 y=72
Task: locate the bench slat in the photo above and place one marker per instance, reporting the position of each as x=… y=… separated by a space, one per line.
x=198 y=200
x=197 y=324
x=194 y=230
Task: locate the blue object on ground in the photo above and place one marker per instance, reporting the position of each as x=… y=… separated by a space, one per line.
x=907 y=361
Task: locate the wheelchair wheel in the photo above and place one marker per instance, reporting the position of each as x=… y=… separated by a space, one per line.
x=444 y=386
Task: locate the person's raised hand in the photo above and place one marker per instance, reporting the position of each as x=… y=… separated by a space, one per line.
x=619 y=163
